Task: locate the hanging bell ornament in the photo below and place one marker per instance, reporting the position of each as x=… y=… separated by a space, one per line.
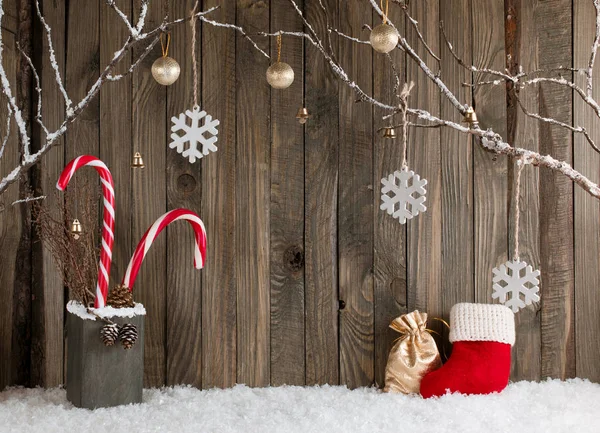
x=471 y=118
x=302 y=115
x=280 y=75
x=384 y=38
x=389 y=132
x=76 y=229
x=165 y=70
x=137 y=162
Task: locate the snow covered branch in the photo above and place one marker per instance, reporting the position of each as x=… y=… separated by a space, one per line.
x=72 y=109
x=420 y=117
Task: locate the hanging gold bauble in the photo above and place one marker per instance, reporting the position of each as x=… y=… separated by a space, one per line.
x=389 y=132
x=76 y=229
x=302 y=115
x=384 y=38
x=137 y=162
x=280 y=75
x=165 y=70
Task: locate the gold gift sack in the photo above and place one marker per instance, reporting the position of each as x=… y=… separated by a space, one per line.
x=413 y=356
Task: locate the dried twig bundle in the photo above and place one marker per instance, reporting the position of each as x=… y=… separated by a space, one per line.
x=77 y=259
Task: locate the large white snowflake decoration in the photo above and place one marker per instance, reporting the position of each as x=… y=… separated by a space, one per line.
x=403 y=194
x=194 y=134
x=518 y=279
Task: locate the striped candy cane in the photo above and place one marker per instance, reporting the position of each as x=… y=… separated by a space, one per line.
x=153 y=232
x=109 y=217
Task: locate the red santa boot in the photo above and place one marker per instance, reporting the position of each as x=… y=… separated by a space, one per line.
x=482 y=336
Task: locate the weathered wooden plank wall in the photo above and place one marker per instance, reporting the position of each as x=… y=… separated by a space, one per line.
x=304 y=272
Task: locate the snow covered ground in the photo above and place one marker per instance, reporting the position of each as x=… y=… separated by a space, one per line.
x=551 y=406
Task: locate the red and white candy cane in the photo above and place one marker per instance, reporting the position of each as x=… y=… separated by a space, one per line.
x=153 y=232
x=108 y=228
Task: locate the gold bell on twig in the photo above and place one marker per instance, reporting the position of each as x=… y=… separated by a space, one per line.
x=302 y=115
x=76 y=229
x=471 y=117
x=389 y=132
x=138 y=162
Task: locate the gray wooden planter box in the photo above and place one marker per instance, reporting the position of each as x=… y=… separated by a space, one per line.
x=100 y=376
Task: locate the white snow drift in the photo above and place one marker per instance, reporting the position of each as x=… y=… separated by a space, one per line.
x=551 y=406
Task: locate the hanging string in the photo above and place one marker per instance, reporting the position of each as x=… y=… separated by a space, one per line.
x=194 y=20
x=403 y=96
x=76 y=200
x=387 y=7
x=165 y=49
x=278 y=48
x=520 y=165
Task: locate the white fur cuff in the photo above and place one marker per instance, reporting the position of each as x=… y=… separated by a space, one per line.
x=482 y=322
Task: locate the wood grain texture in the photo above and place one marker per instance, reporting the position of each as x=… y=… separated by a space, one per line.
x=219 y=277
x=219 y=283
x=321 y=208
x=521 y=43
x=184 y=190
x=457 y=166
x=253 y=314
x=587 y=209
x=424 y=233
x=287 y=209
x=12 y=360
x=82 y=53
x=556 y=193
x=355 y=213
x=253 y=197
x=389 y=237
x=116 y=133
x=47 y=281
x=149 y=202
x=490 y=172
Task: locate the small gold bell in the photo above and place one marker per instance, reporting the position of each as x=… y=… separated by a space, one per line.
x=471 y=117
x=138 y=162
x=302 y=115
x=76 y=229
x=389 y=132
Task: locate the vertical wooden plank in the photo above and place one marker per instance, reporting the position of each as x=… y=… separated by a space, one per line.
x=115 y=133
x=287 y=209
x=556 y=193
x=321 y=208
x=252 y=198
x=355 y=213
x=424 y=236
x=457 y=164
x=83 y=136
x=389 y=261
x=521 y=41
x=11 y=226
x=587 y=208
x=48 y=290
x=184 y=190
x=219 y=283
x=490 y=171
x=149 y=200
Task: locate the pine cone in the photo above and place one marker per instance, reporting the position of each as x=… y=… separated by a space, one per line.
x=109 y=334
x=128 y=335
x=120 y=297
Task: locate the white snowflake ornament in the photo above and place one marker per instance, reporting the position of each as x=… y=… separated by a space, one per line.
x=518 y=279
x=194 y=134
x=403 y=194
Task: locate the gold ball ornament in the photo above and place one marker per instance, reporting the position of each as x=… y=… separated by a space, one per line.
x=384 y=38
x=165 y=70
x=280 y=75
